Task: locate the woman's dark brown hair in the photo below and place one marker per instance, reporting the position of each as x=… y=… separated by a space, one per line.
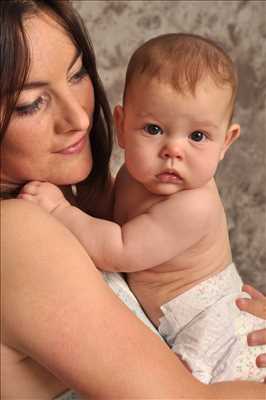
x=14 y=67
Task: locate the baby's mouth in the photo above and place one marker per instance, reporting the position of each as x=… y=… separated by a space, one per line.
x=169 y=176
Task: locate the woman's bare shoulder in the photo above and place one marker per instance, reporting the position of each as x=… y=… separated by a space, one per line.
x=23 y=222
x=43 y=264
x=37 y=252
x=27 y=229
x=22 y=213
x=33 y=238
x=49 y=283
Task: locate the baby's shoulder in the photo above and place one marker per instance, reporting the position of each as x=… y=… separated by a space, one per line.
x=201 y=204
x=205 y=196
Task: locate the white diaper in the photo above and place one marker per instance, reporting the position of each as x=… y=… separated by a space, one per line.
x=208 y=331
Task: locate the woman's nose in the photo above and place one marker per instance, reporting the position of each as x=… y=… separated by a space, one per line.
x=173 y=150
x=75 y=115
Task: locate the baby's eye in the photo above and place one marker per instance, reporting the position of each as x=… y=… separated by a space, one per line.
x=198 y=136
x=153 y=129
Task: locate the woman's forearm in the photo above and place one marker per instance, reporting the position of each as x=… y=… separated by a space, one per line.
x=236 y=390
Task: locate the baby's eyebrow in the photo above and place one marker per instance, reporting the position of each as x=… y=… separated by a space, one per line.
x=206 y=123
x=144 y=114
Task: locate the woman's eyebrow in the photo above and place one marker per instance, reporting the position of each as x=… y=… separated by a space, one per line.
x=34 y=84
x=37 y=84
x=74 y=59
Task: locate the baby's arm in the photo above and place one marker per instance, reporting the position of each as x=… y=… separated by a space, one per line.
x=45 y=194
x=168 y=228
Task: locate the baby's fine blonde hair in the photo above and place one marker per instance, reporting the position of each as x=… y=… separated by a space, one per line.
x=182 y=60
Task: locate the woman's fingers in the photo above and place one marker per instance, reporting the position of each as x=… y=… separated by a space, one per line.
x=256 y=305
x=254 y=294
x=261 y=361
x=257 y=338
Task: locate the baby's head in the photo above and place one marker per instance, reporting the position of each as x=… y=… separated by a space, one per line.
x=175 y=122
x=183 y=61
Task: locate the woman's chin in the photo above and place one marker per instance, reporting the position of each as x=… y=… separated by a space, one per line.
x=72 y=177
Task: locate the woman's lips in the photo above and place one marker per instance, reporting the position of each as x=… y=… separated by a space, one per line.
x=169 y=177
x=74 y=148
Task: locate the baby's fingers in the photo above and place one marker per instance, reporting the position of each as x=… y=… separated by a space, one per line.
x=31 y=188
x=28 y=197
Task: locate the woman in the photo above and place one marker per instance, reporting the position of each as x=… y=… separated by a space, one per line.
x=62 y=326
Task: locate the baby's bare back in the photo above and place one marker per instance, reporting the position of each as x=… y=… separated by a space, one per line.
x=156 y=286
x=205 y=255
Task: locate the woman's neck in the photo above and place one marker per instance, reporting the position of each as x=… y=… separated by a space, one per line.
x=11 y=190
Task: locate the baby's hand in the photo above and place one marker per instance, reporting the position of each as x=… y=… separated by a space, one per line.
x=45 y=194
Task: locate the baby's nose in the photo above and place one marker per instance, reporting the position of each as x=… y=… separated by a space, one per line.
x=173 y=150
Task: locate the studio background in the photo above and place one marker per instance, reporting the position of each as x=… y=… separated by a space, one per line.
x=117 y=28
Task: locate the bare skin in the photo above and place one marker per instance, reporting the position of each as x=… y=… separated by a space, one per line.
x=116 y=251
x=165 y=187
x=61 y=318
x=172 y=231
x=61 y=324
x=206 y=248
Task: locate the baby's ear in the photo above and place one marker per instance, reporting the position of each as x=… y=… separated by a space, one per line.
x=231 y=136
x=119 y=121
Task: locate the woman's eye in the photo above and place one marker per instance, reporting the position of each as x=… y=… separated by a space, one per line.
x=153 y=129
x=198 y=136
x=29 y=109
x=78 y=76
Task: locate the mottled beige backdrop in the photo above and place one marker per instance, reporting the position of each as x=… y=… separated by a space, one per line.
x=118 y=27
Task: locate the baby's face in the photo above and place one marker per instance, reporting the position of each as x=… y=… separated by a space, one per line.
x=175 y=141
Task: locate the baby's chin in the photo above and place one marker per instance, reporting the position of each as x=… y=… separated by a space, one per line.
x=163 y=189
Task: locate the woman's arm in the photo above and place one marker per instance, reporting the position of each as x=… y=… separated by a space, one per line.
x=58 y=311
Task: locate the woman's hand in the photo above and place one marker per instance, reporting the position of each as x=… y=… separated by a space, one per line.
x=256 y=306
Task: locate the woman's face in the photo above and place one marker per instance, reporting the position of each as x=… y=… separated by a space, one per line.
x=48 y=136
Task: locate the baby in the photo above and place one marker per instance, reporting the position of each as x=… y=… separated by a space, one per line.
x=170 y=233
